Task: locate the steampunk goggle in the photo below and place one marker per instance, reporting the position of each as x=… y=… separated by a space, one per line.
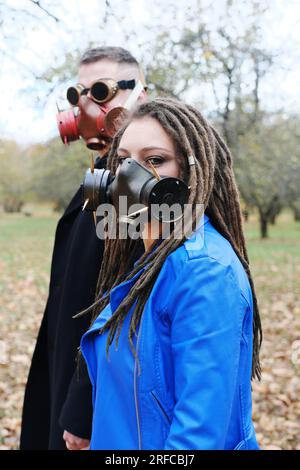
x=101 y=91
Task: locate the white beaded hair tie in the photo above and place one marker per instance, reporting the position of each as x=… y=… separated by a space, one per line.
x=191 y=160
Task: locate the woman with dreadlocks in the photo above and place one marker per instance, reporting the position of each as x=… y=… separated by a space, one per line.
x=175 y=345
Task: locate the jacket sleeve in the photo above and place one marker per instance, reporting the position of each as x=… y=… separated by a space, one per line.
x=77 y=411
x=206 y=314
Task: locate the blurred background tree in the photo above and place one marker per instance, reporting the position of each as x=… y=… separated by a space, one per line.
x=15 y=176
x=57 y=171
x=215 y=60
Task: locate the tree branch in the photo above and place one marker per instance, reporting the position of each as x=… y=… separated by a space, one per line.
x=38 y=4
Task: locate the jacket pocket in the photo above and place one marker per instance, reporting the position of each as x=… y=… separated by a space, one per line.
x=160 y=407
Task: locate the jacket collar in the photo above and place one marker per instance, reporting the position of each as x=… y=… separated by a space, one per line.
x=195 y=242
x=118 y=293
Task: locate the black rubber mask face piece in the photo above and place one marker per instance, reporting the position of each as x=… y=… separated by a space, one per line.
x=134 y=184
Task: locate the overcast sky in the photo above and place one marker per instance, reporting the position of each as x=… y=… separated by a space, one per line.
x=34 y=42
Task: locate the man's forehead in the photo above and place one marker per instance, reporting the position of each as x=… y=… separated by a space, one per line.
x=88 y=73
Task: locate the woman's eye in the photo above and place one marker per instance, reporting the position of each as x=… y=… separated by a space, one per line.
x=155 y=161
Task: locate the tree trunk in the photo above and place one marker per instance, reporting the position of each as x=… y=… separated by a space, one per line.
x=246 y=215
x=296 y=215
x=12 y=205
x=274 y=210
x=263 y=226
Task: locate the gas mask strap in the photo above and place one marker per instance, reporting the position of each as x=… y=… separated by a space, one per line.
x=130 y=218
x=126 y=84
x=134 y=95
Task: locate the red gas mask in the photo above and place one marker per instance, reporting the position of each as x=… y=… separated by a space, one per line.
x=93 y=117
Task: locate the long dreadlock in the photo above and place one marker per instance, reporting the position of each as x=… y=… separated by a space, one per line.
x=212 y=184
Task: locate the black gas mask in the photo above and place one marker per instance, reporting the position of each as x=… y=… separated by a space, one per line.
x=140 y=186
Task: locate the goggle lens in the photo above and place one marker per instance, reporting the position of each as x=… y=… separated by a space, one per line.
x=73 y=95
x=99 y=91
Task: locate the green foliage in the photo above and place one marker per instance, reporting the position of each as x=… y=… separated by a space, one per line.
x=63 y=72
x=57 y=171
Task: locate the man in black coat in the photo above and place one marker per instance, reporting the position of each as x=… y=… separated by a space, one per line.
x=57 y=411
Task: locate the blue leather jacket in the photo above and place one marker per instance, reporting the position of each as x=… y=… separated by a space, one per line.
x=191 y=387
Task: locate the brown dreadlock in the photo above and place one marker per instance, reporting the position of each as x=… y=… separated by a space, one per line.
x=212 y=184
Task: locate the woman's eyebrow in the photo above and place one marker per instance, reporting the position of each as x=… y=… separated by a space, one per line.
x=155 y=147
x=144 y=149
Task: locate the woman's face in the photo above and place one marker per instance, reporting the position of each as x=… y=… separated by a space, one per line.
x=146 y=141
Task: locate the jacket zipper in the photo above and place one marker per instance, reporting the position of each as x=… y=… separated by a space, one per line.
x=160 y=407
x=135 y=387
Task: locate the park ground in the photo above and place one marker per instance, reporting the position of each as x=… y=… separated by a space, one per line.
x=26 y=243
